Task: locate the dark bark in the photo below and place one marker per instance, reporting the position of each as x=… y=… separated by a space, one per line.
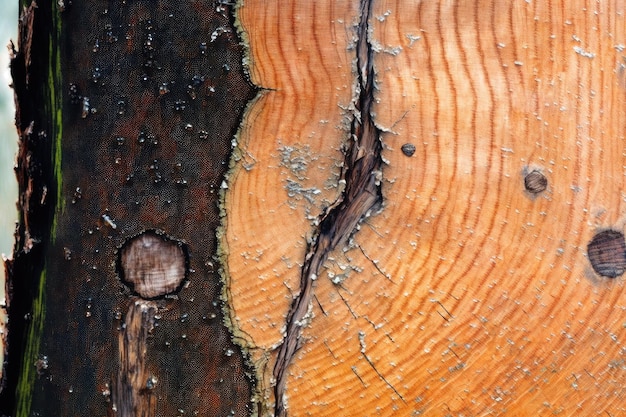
x=126 y=113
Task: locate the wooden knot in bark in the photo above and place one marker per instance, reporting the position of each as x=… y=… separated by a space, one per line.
x=535 y=182
x=607 y=253
x=152 y=265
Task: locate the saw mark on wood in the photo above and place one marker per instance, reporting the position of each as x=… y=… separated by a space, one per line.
x=358 y=376
x=320 y=306
x=362 y=194
x=371 y=363
x=374 y=262
x=354 y=315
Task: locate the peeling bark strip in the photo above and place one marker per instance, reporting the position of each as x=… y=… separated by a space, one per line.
x=153 y=266
x=362 y=194
x=132 y=395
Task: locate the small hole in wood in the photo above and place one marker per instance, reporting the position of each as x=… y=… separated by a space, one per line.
x=408 y=149
x=607 y=253
x=152 y=265
x=535 y=182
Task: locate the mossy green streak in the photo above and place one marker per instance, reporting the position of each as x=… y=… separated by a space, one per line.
x=25 y=385
x=56 y=112
x=53 y=108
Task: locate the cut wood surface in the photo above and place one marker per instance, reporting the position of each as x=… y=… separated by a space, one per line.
x=471 y=291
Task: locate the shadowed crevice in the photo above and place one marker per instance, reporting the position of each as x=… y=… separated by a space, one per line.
x=362 y=194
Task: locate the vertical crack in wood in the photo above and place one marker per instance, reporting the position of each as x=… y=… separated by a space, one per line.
x=132 y=397
x=362 y=194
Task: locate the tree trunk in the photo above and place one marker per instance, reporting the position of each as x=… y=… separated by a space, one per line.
x=126 y=114
x=423 y=214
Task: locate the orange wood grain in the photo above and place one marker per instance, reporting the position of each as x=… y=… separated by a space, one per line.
x=288 y=158
x=466 y=295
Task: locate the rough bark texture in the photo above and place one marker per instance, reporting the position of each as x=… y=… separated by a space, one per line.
x=126 y=114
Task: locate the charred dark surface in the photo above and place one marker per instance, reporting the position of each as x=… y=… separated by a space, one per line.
x=153 y=92
x=29 y=65
x=362 y=194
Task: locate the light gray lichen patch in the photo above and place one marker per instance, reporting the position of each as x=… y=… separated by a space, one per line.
x=412 y=38
x=582 y=52
x=341 y=265
x=387 y=49
x=296 y=191
x=296 y=159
